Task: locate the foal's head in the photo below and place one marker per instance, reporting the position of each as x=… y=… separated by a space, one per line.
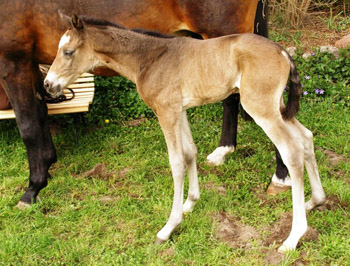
x=74 y=57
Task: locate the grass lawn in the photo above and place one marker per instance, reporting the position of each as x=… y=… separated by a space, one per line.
x=111 y=216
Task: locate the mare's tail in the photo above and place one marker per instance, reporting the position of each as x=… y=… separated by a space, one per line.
x=294 y=90
x=261 y=18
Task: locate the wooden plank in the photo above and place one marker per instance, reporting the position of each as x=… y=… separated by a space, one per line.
x=81 y=85
x=78 y=91
x=7 y=114
x=71 y=110
x=87 y=75
x=84 y=80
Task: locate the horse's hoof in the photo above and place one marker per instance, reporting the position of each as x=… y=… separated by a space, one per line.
x=22 y=205
x=275 y=189
x=284 y=249
x=159 y=241
x=217 y=157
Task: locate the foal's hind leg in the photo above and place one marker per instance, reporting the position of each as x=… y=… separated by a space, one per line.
x=190 y=152
x=318 y=196
x=292 y=153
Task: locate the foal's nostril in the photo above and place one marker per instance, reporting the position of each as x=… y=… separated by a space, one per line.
x=46 y=85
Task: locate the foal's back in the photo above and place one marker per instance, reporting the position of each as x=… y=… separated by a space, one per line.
x=198 y=72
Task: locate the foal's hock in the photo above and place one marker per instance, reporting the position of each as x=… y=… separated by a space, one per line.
x=174 y=74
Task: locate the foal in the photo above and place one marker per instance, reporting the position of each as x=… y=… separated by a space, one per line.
x=174 y=74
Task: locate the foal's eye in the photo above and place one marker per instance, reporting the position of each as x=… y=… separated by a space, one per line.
x=68 y=53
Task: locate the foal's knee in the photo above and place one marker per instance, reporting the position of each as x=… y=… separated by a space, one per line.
x=309 y=144
x=293 y=157
x=190 y=153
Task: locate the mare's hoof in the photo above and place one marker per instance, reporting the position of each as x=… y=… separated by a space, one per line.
x=217 y=157
x=275 y=189
x=159 y=241
x=22 y=205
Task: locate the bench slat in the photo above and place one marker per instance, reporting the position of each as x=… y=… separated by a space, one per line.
x=81 y=85
x=84 y=80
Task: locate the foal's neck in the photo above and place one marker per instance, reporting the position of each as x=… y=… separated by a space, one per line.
x=125 y=51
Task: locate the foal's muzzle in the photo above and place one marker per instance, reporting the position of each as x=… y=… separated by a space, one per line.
x=55 y=90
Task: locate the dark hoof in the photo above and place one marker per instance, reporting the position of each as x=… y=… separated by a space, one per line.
x=159 y=241
x=22 y=205
x=274 y=189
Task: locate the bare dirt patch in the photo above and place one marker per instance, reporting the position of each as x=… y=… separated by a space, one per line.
x=221 y=190
x=281 y=229
x=99 y=171
x=233 y=232
x=334 y=203
x=273 y=257
x=166 y=253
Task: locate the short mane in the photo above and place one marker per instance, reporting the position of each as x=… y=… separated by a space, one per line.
x=100 y=22
x=105 y=23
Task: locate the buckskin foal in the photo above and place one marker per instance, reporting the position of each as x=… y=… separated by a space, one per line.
x=174 y=74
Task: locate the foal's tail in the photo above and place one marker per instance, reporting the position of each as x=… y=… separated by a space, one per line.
x=294 y=90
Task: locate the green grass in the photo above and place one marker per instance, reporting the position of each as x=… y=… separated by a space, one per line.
x=73 y=225
x=113 y=218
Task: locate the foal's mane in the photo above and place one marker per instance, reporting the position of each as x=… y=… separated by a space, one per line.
x=102 y=23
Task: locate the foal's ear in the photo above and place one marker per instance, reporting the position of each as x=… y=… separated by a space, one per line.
x=77 y=22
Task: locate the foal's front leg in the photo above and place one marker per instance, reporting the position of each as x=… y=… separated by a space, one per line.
x=171 y=126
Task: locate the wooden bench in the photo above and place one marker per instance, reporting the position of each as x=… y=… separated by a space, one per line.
x=84 y=89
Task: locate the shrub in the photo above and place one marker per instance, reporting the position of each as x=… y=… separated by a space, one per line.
x=325 y=75
x=116 y=98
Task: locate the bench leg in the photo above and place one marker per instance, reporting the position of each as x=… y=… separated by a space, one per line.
x=76 y=121
x=75 y=116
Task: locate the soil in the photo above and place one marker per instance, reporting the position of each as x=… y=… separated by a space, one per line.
x=314 y=33
x=99 y=171
x=230 y=230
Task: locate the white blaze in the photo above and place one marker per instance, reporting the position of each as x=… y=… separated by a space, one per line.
x=64 y=40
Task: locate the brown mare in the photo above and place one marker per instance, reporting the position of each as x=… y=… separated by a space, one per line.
x=29 y=34
x=174 y=74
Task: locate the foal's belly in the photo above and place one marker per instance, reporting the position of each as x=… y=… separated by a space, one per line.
x=202 y=96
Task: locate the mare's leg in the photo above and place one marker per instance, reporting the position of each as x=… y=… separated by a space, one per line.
x=23 y=85
x=190 y=152
x=170 y=123
x=280 y=181
x=228 y=141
